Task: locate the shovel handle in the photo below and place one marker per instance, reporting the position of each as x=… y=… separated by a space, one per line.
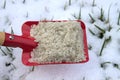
x=2 y=38
x=11 y=40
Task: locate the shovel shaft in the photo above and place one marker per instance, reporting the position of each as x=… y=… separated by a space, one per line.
x=2 y=38
x=11 y=40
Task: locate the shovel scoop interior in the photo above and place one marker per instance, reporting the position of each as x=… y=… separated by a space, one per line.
x=27 y=55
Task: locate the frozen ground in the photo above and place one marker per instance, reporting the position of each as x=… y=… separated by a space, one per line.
x=102 y=19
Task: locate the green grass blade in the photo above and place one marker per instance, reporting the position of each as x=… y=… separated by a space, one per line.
x=104 y=63
x=108 y=18
x=79 y=16
x=92 y=19
x=101 y=15
x=100 y=54
x=3 y=51
x=12 y=32
x=23 y=1
x=118 y=21
x=102 y=30
x=91 y=31
x=109 y=27
x=106 y=41
x=83 y=78
x=4 y=5
x=93 y=3
x=65 y=6
x=8 y=49
x=69 y=2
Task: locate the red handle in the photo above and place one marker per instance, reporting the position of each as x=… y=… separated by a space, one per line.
x=19 y=41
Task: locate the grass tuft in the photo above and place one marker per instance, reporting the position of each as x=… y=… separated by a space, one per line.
x=78 y=17
x=67 y=4
x=9 y=53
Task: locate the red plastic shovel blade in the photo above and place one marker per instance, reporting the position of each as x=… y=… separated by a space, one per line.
x=26 y=28
x=27 y=55
x=26 y=33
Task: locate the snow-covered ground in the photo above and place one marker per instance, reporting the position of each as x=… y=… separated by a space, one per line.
x=102 y=20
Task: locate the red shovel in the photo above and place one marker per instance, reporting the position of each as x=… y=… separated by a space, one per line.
x=26 y=42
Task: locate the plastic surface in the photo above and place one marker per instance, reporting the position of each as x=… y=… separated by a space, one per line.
x=26 y=33
x=19 y=41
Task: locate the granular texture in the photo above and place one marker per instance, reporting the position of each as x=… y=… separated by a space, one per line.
x=57 y=42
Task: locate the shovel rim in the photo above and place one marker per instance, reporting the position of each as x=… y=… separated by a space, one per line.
x=26 y=55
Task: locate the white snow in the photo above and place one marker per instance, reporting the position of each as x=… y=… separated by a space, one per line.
x=13 y=13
